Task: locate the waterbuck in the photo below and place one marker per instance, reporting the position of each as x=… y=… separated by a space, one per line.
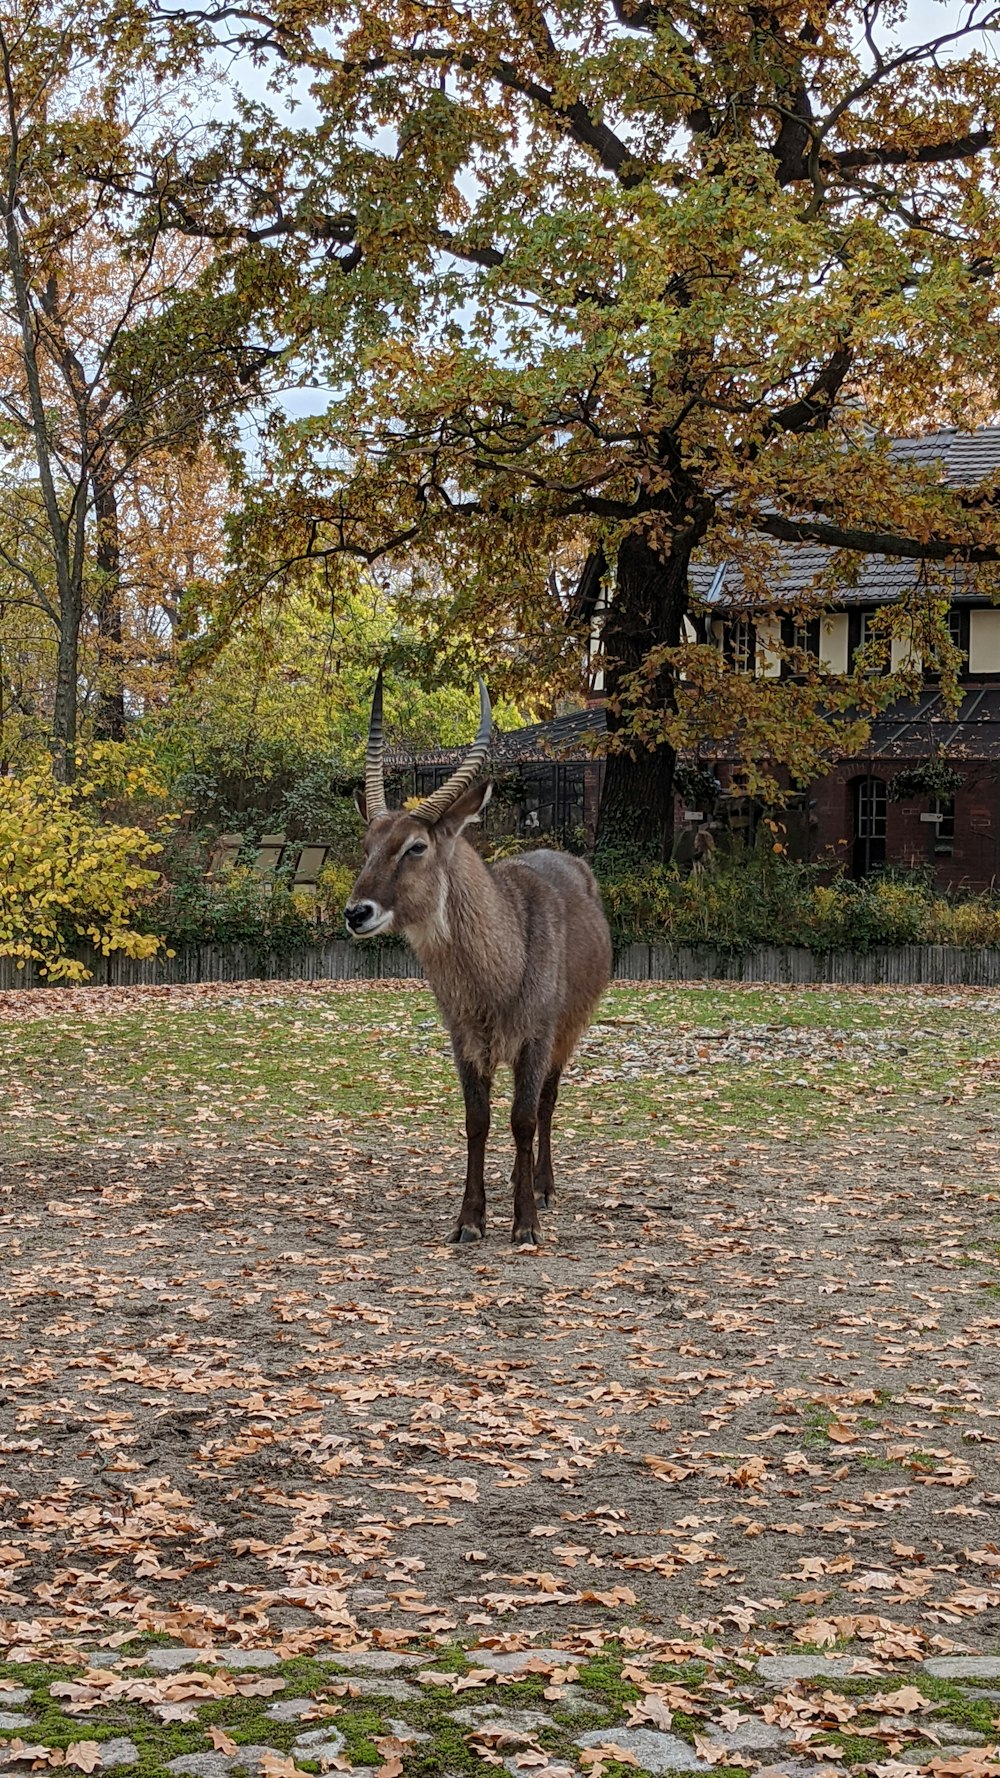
x=517 y=953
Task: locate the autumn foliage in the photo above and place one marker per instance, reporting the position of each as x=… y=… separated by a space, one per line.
x=68 y=878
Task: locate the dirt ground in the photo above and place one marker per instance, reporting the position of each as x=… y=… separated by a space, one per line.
x=748 y=1388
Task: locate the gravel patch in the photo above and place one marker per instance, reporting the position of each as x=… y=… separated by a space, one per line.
x=521 y=1661
x=752 y=1736
x=289 y=1709
x=119 y=1751
x=322 y=1743
x=377 y=1660
x=219 y=1764
x=171 y=1660
x=964 y=1667
x=372 y=1685
x=513 y=1722
x=778 y=1669
x=655 y=1751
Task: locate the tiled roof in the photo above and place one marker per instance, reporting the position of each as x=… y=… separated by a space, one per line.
x=965 y=458
x=906 y=731
x=565 y=737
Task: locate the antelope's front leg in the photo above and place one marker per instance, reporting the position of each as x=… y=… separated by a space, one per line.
x=530 y=1070
x=471 y=1224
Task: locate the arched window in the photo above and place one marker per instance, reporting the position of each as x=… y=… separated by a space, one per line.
x=869 y=825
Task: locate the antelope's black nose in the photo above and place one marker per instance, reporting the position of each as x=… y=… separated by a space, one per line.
x=358 y=914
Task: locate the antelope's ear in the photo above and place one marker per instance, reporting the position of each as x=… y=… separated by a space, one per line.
x=467 y=809
x=361 y=805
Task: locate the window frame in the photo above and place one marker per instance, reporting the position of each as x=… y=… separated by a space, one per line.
x=858 y=621
x=744 y=628
x=869 y=850
x=942 y=843
x=804 y=634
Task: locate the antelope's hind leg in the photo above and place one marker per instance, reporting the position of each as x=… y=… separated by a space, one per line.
x=529 y=1076
x=544 y=1183
x=471 y=1224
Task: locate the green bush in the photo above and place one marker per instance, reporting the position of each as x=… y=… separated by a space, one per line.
x=764 y=898
x=240 y=908
x=271 y=788
x=748 y=898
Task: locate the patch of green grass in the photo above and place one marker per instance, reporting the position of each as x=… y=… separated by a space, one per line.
x=447 y=1752
x=294 y=1061
x=818 y=1421
x=359 y=1724
x=858 y=1750
x=978 y=1714
x=57 y=1730
x=245 y=1721
x=157 y=1742
x=304 y=1675
x=689 y=1673
x=524 y=1694
x=686 y=1726
x=602 y=1677
x=453 y=1659
x=922 y=1460
x=35 y=1674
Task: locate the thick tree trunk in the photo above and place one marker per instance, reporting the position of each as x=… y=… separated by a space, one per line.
x=646 y=612
x=109 y=722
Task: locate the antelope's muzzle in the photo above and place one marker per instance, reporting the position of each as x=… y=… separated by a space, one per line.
x=363 y=918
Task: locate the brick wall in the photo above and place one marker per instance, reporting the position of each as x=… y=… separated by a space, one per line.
x=975 y=862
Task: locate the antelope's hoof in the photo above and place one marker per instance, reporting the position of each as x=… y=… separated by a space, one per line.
x=465 y=1233
x=543 y=1200
x=526 y=1236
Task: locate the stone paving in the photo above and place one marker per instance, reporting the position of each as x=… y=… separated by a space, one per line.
x=924 y=1714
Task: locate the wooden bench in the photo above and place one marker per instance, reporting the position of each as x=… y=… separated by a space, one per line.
x=269 y=852
x=273 y=850
x=224 y=854
x=308 y=865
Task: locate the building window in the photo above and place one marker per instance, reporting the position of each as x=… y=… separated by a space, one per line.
x=553 y=799
x=803 y=636
x=958 y=629
x=862 y=634
x=943 y=827
x=739 y=644
x=958 y=634
x=870 y=808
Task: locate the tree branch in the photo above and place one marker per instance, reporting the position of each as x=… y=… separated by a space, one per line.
x=813 y=409
x=928 y=154
x=579 y=120
x=873 y=543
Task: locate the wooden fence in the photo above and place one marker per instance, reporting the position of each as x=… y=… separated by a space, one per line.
x=341 y=961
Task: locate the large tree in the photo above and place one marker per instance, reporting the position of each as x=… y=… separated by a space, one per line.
x=92 y=109
x=627 y=280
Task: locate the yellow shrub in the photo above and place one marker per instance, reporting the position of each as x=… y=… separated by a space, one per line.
x=66 y=877
x=964 y=923
x=333 y=890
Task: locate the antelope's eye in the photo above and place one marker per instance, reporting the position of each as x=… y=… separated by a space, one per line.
x=414 y=851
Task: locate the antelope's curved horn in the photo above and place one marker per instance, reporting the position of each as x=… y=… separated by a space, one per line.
x=437 y=805
x=375 y=803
